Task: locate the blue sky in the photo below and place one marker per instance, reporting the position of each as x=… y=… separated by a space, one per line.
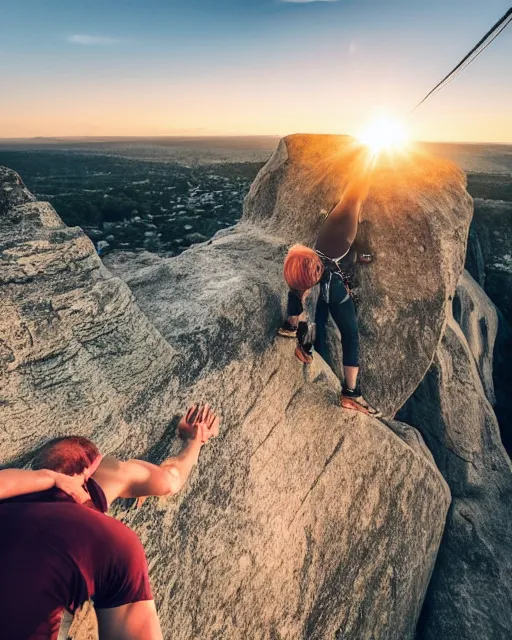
x=239 y=67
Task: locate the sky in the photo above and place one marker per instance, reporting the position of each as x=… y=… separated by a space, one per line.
x=251 y=67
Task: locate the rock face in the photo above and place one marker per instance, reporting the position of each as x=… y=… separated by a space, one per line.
x=69 y=360
x=470 y=594
x=489 y=261
x=415 y=220
x=489 y=337
x=475 y=263
x=12 y=191
x=304 y=520
x=478 y=318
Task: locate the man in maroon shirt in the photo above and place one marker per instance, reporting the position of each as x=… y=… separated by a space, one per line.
x=58 y=549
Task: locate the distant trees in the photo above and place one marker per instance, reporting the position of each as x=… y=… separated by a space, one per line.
x=117 y=207
x=79 y=212
x=157 y=206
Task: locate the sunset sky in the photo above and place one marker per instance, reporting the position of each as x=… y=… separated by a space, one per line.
x=229 y=67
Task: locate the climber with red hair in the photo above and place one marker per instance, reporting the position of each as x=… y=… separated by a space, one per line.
x=304 y=268
x=58 y=549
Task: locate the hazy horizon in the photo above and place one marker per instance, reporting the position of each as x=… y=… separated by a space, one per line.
x=215 y=136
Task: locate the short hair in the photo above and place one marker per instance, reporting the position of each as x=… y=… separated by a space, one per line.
x=69 y=455
x=303 y=268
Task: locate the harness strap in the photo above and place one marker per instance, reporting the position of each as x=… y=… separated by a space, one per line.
x=332 y=269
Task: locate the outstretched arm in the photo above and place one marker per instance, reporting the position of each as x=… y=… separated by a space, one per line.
x=137 y=478
x=347 y=212
x=134 y=478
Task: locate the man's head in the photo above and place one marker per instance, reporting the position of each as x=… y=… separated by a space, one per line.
x=71 y=455
x=303 y=268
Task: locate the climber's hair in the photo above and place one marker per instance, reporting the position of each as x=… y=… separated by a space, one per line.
x=69 y=455
x=302 y=268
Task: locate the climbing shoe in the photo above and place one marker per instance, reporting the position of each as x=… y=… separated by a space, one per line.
x=303 y=355
x=352 y=399
x=288 y=330
x=305 y=341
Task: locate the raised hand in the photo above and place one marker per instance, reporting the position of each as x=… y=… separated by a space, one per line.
x=209 y=422
x=199 y=422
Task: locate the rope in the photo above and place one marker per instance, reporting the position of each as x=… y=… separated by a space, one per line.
x=479 y=48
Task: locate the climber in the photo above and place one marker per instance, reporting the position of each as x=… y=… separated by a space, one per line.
x=304 y=268
x=58 y=549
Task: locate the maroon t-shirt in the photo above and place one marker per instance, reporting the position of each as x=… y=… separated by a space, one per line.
x=56 y=554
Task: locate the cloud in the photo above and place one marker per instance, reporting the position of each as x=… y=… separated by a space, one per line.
x=308 y=1
x=91 y=40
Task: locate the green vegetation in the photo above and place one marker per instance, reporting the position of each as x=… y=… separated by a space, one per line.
x=134 y=204
x=490 y=186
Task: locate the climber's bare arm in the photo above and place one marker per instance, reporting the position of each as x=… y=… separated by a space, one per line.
x=137 y=478
x=349 y=205
x=15 y=482
x=347 y=211
x=18 y=482
x=134 y=478
x=137 y=621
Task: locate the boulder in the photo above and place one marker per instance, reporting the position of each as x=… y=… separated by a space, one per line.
x=303 y=519
x=470 y=593
x=196 y=238
x=12 y=190
x=102 y=246
x=478 y=318
x=489 y=338
x=68 y=362
x=416 y=222
x=475 y=263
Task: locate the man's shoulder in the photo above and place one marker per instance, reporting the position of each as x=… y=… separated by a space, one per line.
x=75 y=529
x=63 y=515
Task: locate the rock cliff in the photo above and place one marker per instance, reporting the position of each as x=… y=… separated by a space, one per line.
x=489 y=261
x=415 y=221
x=471 y=589
x=303 y=519
x=478 y=318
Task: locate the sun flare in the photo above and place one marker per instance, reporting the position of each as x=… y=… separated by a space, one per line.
x=384 y=134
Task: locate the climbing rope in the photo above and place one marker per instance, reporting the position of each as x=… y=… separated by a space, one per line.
x=489 y=37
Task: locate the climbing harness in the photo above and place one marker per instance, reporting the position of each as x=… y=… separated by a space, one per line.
x=332 y=270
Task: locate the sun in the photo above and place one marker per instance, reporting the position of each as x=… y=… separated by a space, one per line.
x=384 y=135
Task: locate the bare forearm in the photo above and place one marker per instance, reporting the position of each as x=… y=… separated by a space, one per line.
x=18 y=482
x=179 y=467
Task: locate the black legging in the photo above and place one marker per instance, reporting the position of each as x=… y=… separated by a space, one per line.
x=343 y=311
